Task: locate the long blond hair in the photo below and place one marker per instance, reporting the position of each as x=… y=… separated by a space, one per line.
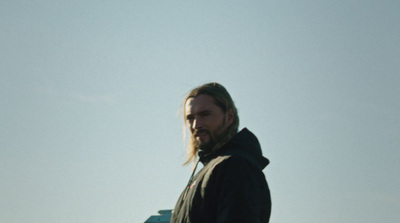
x=223 y=100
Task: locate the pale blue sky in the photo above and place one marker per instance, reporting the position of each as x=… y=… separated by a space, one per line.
x=91 y=92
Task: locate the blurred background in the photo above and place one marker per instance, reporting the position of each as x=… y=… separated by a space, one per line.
x=91 y=95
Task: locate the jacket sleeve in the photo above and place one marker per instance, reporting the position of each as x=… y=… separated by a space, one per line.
x=243 y=194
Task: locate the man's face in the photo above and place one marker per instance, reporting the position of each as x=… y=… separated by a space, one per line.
x=207 y=122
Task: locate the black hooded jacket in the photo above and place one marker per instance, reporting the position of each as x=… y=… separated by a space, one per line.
x=231 y=186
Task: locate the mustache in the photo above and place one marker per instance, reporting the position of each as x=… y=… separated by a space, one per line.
x=201 y=131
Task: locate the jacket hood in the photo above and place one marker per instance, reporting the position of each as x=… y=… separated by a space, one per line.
x=244 y=144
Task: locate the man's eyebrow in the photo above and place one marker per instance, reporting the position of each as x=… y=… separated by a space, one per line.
x=204 y=112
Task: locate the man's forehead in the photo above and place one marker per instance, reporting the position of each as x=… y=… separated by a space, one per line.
x=200 y=102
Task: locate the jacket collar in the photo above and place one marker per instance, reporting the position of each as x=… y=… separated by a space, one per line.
x=244 y=144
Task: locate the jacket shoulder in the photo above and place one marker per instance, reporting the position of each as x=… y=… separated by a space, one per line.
x=232 y=164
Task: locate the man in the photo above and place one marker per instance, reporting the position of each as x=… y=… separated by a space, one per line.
x=231 y=186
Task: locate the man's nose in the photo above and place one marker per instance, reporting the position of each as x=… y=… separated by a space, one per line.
x=197 y=124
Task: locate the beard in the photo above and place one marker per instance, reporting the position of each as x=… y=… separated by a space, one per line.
x=205 y=146
x=213 y=138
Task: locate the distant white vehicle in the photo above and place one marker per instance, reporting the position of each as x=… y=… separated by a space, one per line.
x=163 y=217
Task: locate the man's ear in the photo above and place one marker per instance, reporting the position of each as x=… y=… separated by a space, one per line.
x=230 y=117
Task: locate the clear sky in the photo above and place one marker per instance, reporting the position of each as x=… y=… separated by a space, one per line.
x=90 y=95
